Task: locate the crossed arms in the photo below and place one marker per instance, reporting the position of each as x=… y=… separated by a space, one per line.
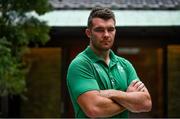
x=107 y=103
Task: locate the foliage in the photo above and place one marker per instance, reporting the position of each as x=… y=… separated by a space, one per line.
x=18 y=29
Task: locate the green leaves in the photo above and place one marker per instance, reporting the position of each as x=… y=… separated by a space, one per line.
x=22 y=6
x=37 y=32
x=17 y=31
x=11 y=76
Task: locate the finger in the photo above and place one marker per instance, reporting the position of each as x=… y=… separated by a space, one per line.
x=137 y=84
x=143 y=89
x=140 y=87
x=133 y=82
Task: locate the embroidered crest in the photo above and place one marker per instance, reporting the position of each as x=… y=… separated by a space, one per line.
x=120 y=68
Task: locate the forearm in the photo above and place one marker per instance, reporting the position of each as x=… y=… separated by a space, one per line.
x=133 y=101
x=95 y=105
x=107 y=107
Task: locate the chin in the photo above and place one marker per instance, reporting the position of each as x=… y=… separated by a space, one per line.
x=106 y=48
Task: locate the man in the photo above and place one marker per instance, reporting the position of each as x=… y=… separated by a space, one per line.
x=100 y=83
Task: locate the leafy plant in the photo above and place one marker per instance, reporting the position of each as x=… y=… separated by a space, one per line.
x=18 y=29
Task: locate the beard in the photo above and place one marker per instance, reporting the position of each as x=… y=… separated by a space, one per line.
x=102 y=45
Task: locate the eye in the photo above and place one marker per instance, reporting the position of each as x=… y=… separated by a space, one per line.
x=111 y=29
x=99 y=30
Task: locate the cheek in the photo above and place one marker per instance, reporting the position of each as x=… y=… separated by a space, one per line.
x=95 y=36
x=113 y=35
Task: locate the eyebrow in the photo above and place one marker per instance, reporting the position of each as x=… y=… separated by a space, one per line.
x=99 y=27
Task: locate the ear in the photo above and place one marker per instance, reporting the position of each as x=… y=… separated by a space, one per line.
x=88 y=32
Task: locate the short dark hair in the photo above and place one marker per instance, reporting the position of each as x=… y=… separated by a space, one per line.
x=100 y=12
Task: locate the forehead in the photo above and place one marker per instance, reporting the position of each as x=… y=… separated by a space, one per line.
x=98 y=22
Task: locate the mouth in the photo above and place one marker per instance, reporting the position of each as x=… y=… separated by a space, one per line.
x=106 y=41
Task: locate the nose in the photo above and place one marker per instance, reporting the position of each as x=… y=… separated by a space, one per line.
x=106 y=33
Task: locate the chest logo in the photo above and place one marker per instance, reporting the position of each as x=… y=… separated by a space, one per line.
x=120 y=68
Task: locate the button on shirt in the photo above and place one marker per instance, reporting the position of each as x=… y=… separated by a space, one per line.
x=89 y=72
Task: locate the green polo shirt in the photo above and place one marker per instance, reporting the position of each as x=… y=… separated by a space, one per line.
x=89 y=72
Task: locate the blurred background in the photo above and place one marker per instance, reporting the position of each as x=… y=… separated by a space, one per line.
x=148 y=35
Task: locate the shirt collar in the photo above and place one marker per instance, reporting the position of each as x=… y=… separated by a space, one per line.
x=96 y=58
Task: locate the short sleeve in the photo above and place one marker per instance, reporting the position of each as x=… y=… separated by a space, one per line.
x=131 y=72
x=80 y=78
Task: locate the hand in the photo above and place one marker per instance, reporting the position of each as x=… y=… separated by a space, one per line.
x=136 y=86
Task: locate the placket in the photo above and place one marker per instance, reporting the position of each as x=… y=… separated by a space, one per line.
x=111 y=78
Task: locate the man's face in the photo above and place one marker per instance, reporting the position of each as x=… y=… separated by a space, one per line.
x=101 y=34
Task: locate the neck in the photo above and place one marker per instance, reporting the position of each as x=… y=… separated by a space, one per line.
x=104 y=54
